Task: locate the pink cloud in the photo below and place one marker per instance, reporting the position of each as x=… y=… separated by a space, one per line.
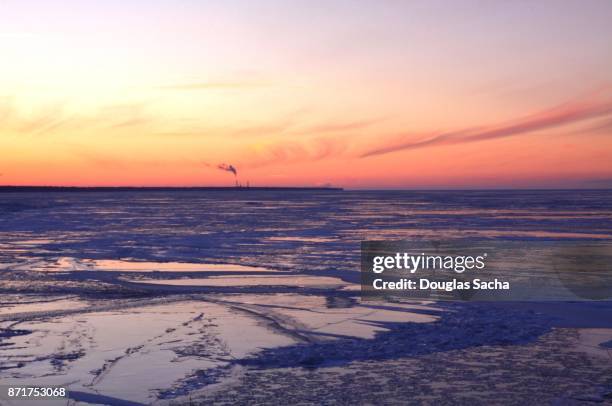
x=564 y=114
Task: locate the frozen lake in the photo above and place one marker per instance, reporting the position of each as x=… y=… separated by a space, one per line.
x=154 y=297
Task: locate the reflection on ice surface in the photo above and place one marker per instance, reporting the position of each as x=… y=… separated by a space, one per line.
x=147 y=349
x=361 y=320
x=302 y=239
x=110 y=265
x=132 y=354
x=20 y=304
x=251 y=280
x=126 y=266
x=142 y=353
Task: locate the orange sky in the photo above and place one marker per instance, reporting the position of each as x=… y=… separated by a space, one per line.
x=353 y=94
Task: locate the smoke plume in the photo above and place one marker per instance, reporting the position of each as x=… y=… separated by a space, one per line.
x=228 y=168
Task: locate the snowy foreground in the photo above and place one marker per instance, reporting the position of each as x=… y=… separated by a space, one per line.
x=249 y=299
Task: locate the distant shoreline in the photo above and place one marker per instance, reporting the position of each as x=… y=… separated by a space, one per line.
x=9 y=188
x=161 y=188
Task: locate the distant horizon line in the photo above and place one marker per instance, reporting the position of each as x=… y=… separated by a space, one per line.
x=8 y=188
x=93 y=188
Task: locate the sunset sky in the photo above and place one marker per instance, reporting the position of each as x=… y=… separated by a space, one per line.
x=358 y=94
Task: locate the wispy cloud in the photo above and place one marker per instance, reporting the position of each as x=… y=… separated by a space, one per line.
x=134 y=122
x=213 y=85
x=58 y=120
x=601 y=127
x=342 y=126
x=44 y=121
x=297 y=151
x=292 y=126
x=558 y=116
x=264 y=129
